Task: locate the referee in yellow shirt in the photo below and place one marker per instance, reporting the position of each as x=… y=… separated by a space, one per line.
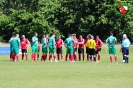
x=91 y=45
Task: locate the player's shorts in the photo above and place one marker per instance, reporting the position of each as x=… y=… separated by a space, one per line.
x=74 y=49
x=44 y=50
x=112 y=50
x=69 y=50
x=34 y=49
x=125 y=51
x=24 y=50
x=98 y=50
x=51 y=49
x=15 y=50
x=87 y=50
x=91 y=51
x=59 y=50
x=81 y=51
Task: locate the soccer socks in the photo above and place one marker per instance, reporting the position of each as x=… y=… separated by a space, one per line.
x=110 y=58
x=90 y=57
x=116 y=59
x=94 y=58
x=26 y=56
x=58 y=56
x=11 y=57
x=99 y=56
x=32 y=57
x=50 y=57
x=71 y=57
x=66 y=56
x=23 y=56
x=54 y=57
x=75 y=56
x=79 y=57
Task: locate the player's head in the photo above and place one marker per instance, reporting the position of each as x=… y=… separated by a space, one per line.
x=23 y=36
x=90 y=36
x=124 y=36
x=80 y=36
x=46 y=35
x=43 y=36
x=111 y=34
x=13 y=35
x=69 y=35
x=17 y=35
x=53 y=35
x=74 y=35
x=35 y=34
x=59 y=37
x=97 y=37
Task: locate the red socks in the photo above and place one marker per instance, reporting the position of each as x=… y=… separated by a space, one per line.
x=33 y=57
x=71 y=57
x=66 y=56
x=50 y=57
x=115 y=58
x=99 y=57
x=54 y=57
x=110 y=58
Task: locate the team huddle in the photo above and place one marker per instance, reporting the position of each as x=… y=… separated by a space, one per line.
x=72 y=44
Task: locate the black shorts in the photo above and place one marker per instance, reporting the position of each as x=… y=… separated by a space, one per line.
x=87 y=50
x=74 y=49
x=59 y=50
x=125 y=51
x=92 y=51
x=81 y=51
x=24 y=50
x=98 y=50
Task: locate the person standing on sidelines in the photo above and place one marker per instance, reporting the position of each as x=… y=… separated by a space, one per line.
x=10 y=42
x=81 y=47
x=91 y=46
x=15 y=47
x=99 y=44
x=34 y=46
x=112 y=49
x=75 y=46
x=52 y=48
x=59 y=44
x=125 y=46
x=69 y=45
x=87 y=50
x=24 y=42
x=44 y=48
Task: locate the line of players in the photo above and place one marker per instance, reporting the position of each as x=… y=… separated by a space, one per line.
x=72 y=44
x=93 y=47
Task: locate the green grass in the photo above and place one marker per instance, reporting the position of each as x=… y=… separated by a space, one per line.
x=27 y=74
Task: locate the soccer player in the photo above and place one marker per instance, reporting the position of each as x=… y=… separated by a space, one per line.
x=91 y=46
x=34 y=46
x=52 y=48
x=10 y=41
x=15 y=43
x=75 y=46
x=38 y=51
x=87 y=50
x=81 y=47
x=125 y=45
x=44 y=48
x=69 y=45
x=112 y=49
x=24 y=42
x=59 y=44
x=99 y=44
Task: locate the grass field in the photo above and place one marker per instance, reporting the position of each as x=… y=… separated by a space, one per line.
x=27 y=74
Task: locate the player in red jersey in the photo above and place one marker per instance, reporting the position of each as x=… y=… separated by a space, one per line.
x=87 y=49
x=24 y=43
x=59 y=44
x=81 y=47
x=75 y=46
x=99 y=44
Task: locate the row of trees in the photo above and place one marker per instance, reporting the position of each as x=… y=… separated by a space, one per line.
x=97 y=17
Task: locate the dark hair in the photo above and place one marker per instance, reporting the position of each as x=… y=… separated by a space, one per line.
x=90 y=36
x=111 y=33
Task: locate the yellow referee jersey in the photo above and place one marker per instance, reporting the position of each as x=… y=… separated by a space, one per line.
x=91 y=44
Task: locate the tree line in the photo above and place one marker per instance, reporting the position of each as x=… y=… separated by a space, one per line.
x=96 y=17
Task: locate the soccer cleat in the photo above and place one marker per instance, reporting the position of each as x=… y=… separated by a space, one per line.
x=56 y=60
x=72 y=61
x=51 y=60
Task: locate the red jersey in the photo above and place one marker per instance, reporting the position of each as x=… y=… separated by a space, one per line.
x=75 y=42
x=24 y=43
x=98 y=43
x=59 y=43
x=81 y=43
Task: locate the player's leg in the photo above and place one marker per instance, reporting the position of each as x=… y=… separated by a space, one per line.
x=16 y=54
x=67 y=53
x=125 y=54
x=114 y=52
x=94 y=55
x=99 y=55
x=33 y=53
x=61 y=55
x=26 y=54
x=54 y=54
x=57 y=51
x=110 y=54
x=50 y=54
x=82 y=53
x=79 y=53
x=44 y=56
x=71 y=54
x=11 y=54
x=75 y=55
x=87 y=53
x=38 y=54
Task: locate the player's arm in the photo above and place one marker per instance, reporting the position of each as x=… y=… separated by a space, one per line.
x=65 y=43
x=101 y=43
x=54 y=43
x=107 y=42
x=62 y=43
x=34 y=39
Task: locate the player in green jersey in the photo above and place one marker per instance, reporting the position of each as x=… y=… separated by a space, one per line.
x=15 y=45
x=10 y=42
x=44 y=48
x=34 y=46
x=52 y=48
x=111 y=44
x=69 y=45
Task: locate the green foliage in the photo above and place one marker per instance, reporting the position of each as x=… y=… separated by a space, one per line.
x=63 y=17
